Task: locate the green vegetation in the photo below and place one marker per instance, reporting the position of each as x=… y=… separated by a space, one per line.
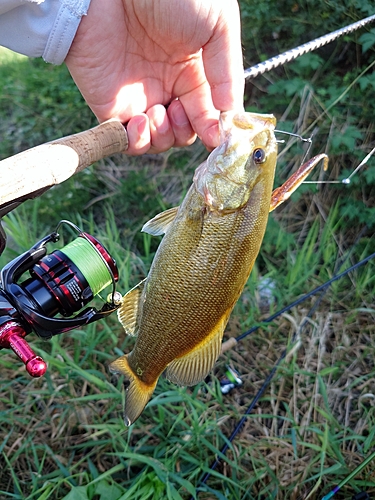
x=62 y=436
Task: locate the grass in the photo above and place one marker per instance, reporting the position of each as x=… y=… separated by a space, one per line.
x=62 y=436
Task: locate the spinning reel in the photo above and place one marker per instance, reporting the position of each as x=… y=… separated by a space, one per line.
x=59 y=285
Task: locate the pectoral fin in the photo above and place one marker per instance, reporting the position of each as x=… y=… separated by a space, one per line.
x=128 y=311
x=160 y=223
x=195 y=366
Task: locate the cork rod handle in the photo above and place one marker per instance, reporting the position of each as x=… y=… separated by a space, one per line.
x=49 y=164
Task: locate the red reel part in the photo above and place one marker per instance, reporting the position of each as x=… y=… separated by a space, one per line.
x=12 y=337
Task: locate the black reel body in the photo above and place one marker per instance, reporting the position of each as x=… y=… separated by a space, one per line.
x=60 y=283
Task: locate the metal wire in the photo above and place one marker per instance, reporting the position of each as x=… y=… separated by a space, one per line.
x=292 y=54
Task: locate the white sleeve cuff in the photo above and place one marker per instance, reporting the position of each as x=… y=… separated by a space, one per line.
x=41 y=28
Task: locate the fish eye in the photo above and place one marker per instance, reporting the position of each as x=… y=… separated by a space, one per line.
x=259 y=155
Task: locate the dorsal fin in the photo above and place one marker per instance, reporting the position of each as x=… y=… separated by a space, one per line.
x=161 y=222
x=196 y=365
x=128 y=311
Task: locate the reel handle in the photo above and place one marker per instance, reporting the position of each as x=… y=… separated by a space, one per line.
x=12 y=337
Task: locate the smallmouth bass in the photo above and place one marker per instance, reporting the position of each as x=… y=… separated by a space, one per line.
x=179 y=312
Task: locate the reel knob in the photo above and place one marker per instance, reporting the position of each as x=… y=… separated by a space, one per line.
x=36 y=367
x=12 y=337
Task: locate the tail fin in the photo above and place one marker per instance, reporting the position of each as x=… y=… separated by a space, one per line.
x=137 y=394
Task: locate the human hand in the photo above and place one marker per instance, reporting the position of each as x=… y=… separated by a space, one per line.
x=131 y=58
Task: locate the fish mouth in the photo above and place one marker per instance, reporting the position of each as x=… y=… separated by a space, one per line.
x=245 y=121
x=224 y=180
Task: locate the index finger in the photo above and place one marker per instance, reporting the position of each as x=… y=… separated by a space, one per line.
x=223 y=61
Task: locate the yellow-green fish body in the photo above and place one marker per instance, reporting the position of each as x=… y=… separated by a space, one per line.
x=202 y=264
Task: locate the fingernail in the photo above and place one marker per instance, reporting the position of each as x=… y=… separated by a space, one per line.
x=212 y=137
x=141 y=127
x=161 y=123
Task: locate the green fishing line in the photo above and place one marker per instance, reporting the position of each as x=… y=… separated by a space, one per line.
x=89 y=262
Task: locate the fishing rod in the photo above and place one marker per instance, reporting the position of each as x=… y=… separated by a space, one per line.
x=250 y=73
x=356 y=471
x=229 y=344
x=30 y=173
x=234 y=340
x=110 y=138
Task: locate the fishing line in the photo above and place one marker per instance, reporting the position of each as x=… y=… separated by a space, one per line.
x=346 y=181
x=91 y=259
x=249 y=73
x=303 y=139
x=322 y=288
x=89 y=262
x=292 y=54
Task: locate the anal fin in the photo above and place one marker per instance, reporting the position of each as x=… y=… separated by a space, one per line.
x=196 y=365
